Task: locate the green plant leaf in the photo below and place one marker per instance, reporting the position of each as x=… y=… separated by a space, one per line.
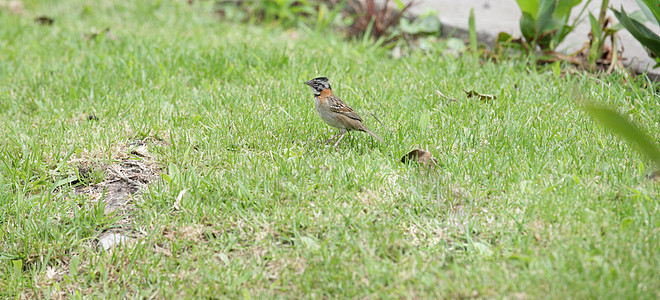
x=506 y=40
x=399 y=4
x=623 y=127
x=644 y=35
x=473 y=32
x=429 y=24
x=62 y=182
x=528 y=26
x=638 y=16
x=544 y=17
x=504 y=37
x=551 y=37
x=408 y=27
x=167 y=178
x=564 y=8
x=18 y=268
x=644 y=9
x=561 y=34
x=596 y=33
x=651 y=10
x=530 y=7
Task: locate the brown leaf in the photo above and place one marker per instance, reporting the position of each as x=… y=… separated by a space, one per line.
x=421 y=157
x=43 y=20
x=482 y=97
x=655 y=175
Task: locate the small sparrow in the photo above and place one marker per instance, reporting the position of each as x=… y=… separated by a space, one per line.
x=335 y=112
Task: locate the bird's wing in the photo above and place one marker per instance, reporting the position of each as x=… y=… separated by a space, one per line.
x=338 y=106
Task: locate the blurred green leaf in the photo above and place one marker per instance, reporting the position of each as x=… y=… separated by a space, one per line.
x=529 y=6
x=63 y=182
x=651 y=9
x=473 y=32
x=527 y=26
x=644 y=9
x=638 y=16
x=18 y=268
x=621 y=126
x=564 y=8
x=423 y=25
x=545 y=22
x=644 y=35
x=561 y=34
x=597 y=40
x=399 y=4
x=429 y=24
x=556 y=70
x=504 y=37
x=544 y=17
x=167 y=178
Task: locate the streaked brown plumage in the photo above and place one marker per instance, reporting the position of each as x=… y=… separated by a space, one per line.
x=334 y=112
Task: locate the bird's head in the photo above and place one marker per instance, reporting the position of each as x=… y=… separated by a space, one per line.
x=319 y=84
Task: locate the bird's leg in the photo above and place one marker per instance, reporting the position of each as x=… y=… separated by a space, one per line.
x=335 y=136
x=341 y=137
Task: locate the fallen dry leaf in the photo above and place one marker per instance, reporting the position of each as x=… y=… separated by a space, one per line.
x=43 y=20
x=421 y=157
x=482 y=97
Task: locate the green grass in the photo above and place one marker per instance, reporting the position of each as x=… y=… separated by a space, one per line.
x=532 y=198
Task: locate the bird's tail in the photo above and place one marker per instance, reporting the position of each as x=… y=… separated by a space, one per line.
x=373 y=134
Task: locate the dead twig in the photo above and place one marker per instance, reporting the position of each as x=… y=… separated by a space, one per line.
x=381 y=123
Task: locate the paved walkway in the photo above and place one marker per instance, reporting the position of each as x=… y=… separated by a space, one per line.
x=494 y=16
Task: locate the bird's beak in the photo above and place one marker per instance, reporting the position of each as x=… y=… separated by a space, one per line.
x=308 y=83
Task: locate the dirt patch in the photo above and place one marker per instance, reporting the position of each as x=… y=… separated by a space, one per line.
x=132 y=170
x=125 y=178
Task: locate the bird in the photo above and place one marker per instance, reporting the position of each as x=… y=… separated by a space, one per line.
x=334 y=112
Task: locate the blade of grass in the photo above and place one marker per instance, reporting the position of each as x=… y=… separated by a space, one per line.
x=473 y=33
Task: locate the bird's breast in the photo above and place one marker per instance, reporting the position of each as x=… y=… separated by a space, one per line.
x=329 y=117
x=319 y=101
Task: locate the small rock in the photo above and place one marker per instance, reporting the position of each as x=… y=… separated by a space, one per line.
x=108 y=241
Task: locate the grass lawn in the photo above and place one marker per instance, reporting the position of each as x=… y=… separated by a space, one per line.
x=532 y=199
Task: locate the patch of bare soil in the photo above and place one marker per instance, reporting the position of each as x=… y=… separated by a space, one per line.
x=134 y=169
